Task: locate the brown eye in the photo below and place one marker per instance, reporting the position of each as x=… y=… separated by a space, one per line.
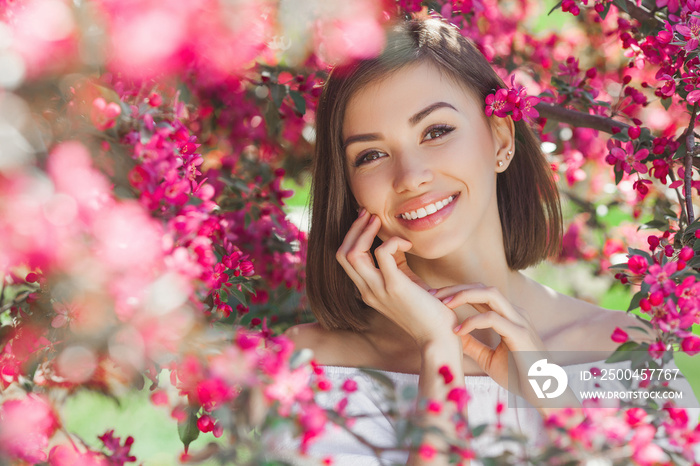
x=368 y=156
x=436 y=132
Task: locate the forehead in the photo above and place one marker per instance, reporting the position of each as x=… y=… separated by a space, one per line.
x=401 y=94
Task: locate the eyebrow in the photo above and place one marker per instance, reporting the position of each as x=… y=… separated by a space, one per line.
x=413 y=121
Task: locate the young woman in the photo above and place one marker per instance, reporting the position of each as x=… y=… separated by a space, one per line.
x=424 y=213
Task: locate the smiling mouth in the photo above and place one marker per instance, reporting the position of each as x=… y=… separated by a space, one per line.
x=428 y=209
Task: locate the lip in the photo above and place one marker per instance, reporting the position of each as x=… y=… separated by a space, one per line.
x=431 y=220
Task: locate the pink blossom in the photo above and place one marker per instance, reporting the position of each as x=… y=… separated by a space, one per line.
x=206 y=423
x=446 y=374
x=349 y=386
x=104 y=115
x=657 y=349
x=26 y=427
x=619 y=335
x=68 y=455
x=688 y=293
x=120 y=454
x=313 y=422
x=691 y=345
x=626 y=159
x=659 y=278
x=646 y=453
x=499 y=104
x=340 y=40
x=637 y=265
x=690 y=32
x=459 y=396
x=427 y=452
x=289 y=387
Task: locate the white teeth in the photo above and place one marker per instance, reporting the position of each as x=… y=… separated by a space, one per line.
x=427 y=210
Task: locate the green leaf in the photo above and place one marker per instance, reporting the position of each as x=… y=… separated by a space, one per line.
x=640 y=252
x=666 y=102
x=277 y=92
x=299 y=102
x=622 y=4
x=655 y=225
x=240 y=296
x=604 y=13
x=554 y=8
x=478 y=430
x=187 y=429
x=680 y=153
x=694 y=262
x=618 y=176
x=634 y=304
x=628 y=346
x=621 y=136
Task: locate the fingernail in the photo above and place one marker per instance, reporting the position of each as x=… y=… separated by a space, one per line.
x=458 y=328
x=432 y=291
x=361 y=212
x=448 y=299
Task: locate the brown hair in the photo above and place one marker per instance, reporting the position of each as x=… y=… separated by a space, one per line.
x=528 y=200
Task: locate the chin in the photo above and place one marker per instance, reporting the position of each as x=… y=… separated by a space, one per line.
x=431 y=252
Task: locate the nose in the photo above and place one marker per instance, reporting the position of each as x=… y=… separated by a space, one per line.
x=411 y=171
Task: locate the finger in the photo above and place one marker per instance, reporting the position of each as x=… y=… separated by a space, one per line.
x=386 y=257
x=504 y=327
x=354 y=232
x=478 y=351
x=350 y=247
x=447 y=291
x=358 y=259
x=489 y=296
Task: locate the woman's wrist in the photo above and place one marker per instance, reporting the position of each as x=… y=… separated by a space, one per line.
x=436 y=346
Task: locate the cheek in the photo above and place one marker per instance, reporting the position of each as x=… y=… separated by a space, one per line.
x=367 y=194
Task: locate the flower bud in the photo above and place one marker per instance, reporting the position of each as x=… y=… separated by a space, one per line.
x=653 y=242
x=637 y=265
x=686 y=254
x=656 y=298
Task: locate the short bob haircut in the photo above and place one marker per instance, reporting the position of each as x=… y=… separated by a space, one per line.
x=528 y=200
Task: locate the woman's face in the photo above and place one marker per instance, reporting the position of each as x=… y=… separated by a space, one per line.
x=421 y=155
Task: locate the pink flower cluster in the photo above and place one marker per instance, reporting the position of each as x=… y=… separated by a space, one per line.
x=631 y=429
x=255 y=359
x=513 y=102
x=670 y=297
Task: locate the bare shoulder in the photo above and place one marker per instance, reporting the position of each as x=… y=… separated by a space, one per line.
x=330 y=347
x=588 y=327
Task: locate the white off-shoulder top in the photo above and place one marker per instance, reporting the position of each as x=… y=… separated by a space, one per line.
x=369 y=403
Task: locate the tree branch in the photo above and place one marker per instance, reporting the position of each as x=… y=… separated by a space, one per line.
x=642 y=14
x=579 y=119
x=688 y=178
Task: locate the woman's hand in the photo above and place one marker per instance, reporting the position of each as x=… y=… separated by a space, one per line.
x=518 y=335
x=392 y=288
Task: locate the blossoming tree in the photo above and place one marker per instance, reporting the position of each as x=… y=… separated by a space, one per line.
x=143 y=241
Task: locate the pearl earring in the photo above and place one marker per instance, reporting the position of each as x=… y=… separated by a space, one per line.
x=500 y=163
x=510 y=152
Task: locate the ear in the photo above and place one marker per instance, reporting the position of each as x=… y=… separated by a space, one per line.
x=503 y=133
